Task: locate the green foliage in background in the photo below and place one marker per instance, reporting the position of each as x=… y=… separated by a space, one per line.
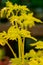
x=37 y=3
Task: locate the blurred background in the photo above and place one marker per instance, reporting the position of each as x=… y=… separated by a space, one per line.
x=36 y=6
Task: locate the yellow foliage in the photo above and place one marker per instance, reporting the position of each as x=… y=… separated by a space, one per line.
x=3 y=12
x=35 y=57
x=14 y=19
x=29 y=20
x=32 y=53
x=13 y=33
x=18 y=14
x=3 y=39
x=33 y=62
x=38 y=45
x=9 y=4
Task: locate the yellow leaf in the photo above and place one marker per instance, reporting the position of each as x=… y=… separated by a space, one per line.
x=3 y=38
x=13 y=33
x=38 y=44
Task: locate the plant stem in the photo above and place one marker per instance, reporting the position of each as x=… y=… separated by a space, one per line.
x=23 y=51
x=11 y=49
x=19 y=46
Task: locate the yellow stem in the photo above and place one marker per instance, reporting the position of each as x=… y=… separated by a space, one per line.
x=11 y=49
x=19 y=46
x=17 y=13
x=23 y=51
